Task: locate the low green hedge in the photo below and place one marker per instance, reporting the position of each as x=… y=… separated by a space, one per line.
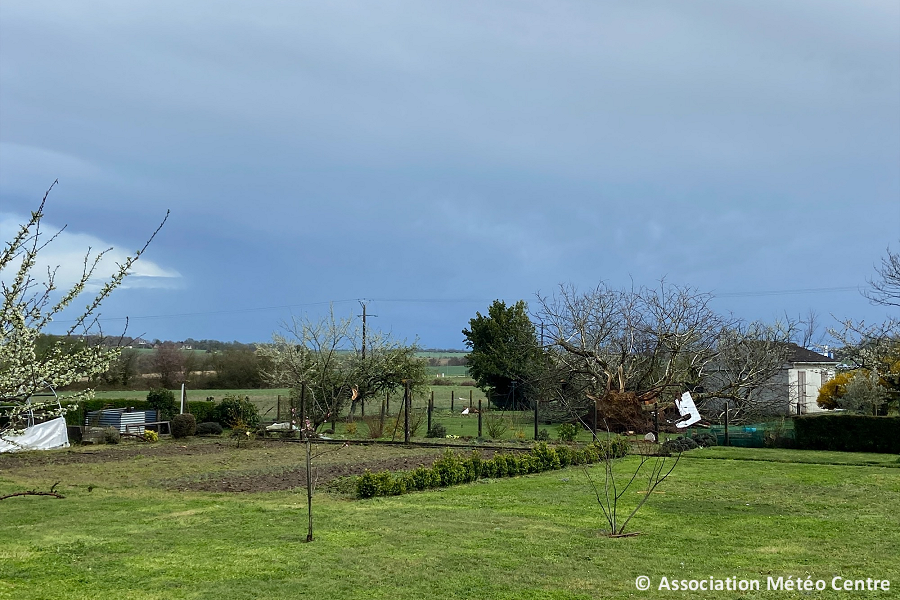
x=452 y=468
x=848 y=433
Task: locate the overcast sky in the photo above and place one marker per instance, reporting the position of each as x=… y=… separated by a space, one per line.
x=433 y=156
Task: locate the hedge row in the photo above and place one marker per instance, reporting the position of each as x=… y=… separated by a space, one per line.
x=848 y=433
x=202 y=410
x=452 y=469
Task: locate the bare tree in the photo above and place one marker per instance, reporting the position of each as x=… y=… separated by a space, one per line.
x=886 y=286
x=628 y=347
x=323 y=358
x=658 y=467
x=314 y=359
x=169 y=362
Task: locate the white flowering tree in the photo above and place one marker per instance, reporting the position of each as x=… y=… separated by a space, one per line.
x=30 y=302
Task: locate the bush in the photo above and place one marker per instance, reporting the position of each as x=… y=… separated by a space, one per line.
x=183 y=425
x=453 y=469
x=366 y=485
x=111 y=435
x=678 y=445
x=235 y=411
x=848 y=433
x=151 y=436
x=375 y=426
x=543 y=435
x=497 y=425
x=705 y=440
x=566 y=456
x=163 y=401
x=437 y=431
x=209 y=428
x=567 y=432
x=202 y=410
x=545 y=457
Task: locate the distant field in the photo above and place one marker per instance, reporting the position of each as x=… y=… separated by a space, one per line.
x=441 y=354
x=448 y=371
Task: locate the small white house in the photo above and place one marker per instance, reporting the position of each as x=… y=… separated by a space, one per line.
x=807 y=371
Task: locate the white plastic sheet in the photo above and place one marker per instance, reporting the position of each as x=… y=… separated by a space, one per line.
x=687 y=408
x=43 y=436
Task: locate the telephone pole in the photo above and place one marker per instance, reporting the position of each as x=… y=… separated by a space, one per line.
x=363 y=303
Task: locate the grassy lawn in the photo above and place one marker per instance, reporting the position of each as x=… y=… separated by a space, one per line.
x=726 y=515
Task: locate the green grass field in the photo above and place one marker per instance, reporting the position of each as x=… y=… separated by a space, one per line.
x=725 y=512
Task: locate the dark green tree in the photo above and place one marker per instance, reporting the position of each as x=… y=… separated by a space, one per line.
x=506 y=359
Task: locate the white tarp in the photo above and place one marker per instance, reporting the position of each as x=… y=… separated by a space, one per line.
x=687 y=408
x=43 y=436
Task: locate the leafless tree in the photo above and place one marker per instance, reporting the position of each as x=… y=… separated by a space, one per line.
x=652 y=344
x=886 y=286
x=169 y=363
x=313 y=356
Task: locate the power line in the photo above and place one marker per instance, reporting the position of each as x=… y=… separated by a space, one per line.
x=745 y=294
x=825 y=290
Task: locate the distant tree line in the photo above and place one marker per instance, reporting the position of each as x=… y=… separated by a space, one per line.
x=207 y=364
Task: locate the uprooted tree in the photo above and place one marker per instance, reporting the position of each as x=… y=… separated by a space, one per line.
x=616 y=351
x=30 y=302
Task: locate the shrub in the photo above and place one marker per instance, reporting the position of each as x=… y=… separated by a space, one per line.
x=234 y=410
x=151 y=436
x=449 y=469
x=424 y=478
x=437 y=431
x=497 y=425
x=183 y=425
x=398 y=422
x=566 y=456
x=202 y=410
x=375 y=426
x=678 y=445
x=543 y=435
x=705 y=440
x=616 y=447
x=111 y=435
x=567 y=432
x=350 y=428
x=163 y=401
x=366 y=485
x=545 y=457
x=209 y=428
x=848 y=433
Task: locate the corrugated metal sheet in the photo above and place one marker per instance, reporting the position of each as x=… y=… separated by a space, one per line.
x=120 y=419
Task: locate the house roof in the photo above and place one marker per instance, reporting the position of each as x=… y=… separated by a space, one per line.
x=799 y=354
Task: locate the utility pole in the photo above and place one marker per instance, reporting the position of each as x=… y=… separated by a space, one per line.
x=363 y=303
x=362 y=401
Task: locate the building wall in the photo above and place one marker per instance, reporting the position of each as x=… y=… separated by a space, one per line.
x=804 y=381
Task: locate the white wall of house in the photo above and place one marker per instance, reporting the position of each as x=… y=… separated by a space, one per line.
x=804 y=381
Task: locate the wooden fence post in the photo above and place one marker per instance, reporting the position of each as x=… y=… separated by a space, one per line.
x=430 y=409
x=407 y=402
x=479 y=418
x=727 y=440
